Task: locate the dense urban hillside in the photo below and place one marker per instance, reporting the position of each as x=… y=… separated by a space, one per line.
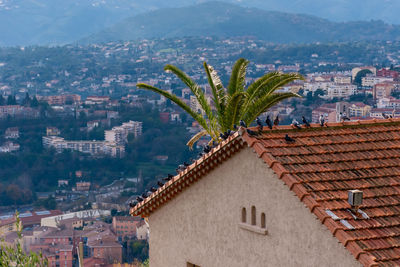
x=227 y=20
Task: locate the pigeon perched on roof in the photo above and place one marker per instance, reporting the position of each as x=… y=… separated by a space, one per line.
x=260 y=125
x=224 y=135
x=206 y=149
x=343 y=117
x=133 y=204
x=296 y=124
x=235 y=127
x=385 y=116
x=243 y=124
x=180 y=168
x=288 y=139
x=268 y=122
x=139 y=198
x=306 y=123
x=250 y=132
x=169 y=177
x=144 y=195
x=258 y=121
x=159 y=183
x=321 y=120
x=186 y=164
x=153 y=189
x=276 y=121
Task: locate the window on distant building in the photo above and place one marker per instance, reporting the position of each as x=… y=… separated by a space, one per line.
x=263 y=220
x=253 y=215
x=244 y=215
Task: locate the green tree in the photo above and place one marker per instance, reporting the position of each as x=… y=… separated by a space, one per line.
x=27 y=100
x=11 y=100
x=360 y=75
x=233 y=103
x=34 y=102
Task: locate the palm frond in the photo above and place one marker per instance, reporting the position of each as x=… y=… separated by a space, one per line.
x=179 y=102
x=263 y=104
x=267 y=85
x=237 y=80
x=232 y=114
x=196 y=138
x=196 y=90
x=262 y=81
x=218 y=91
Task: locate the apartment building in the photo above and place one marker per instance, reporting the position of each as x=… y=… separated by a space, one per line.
x=341 y=90
x=12 y=133
x=383 y=90
x=59 y=100
x=342 y=79
x=125 y=226
x=18 y=111
x=119 y=134
x=371 y=81
x=84 y=146
x=359 y=109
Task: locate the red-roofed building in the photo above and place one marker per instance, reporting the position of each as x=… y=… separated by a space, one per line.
x=263 y=201
x=29 y=219
x=387 y=73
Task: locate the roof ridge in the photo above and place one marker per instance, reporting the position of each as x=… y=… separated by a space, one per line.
x=374 y=121
x=192 y=170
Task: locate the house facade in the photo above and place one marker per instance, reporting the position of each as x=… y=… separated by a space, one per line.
x=259 y=201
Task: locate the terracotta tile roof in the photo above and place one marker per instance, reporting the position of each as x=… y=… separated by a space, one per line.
x=320 y=167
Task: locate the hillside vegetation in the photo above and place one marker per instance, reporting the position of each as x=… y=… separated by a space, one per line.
x=227 y=20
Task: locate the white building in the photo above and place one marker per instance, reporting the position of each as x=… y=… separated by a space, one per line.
x=313 y=86
x=389 y=102
x=342 y=79
x=84 y=146
x=341 y=90
x=54 y=220
x=371 y=81
x=119 y=134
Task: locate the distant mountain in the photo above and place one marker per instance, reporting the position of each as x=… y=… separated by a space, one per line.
x=335 y=10
x=227 y=20
x=27 y=22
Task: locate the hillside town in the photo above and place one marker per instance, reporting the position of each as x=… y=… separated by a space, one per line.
x=114 y=141
x=61 y=237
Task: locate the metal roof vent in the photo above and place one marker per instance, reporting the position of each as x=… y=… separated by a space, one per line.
x=355 y=198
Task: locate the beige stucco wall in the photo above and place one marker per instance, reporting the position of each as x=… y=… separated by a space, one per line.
x=201 y=226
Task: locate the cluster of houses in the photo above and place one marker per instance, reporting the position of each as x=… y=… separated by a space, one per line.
x=58 y=236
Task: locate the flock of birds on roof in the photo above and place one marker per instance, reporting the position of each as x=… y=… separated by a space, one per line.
x=223 y=136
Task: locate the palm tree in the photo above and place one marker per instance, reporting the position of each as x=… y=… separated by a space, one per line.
x=231 y=104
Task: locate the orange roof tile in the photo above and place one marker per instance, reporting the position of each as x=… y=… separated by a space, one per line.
x=320 y=167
